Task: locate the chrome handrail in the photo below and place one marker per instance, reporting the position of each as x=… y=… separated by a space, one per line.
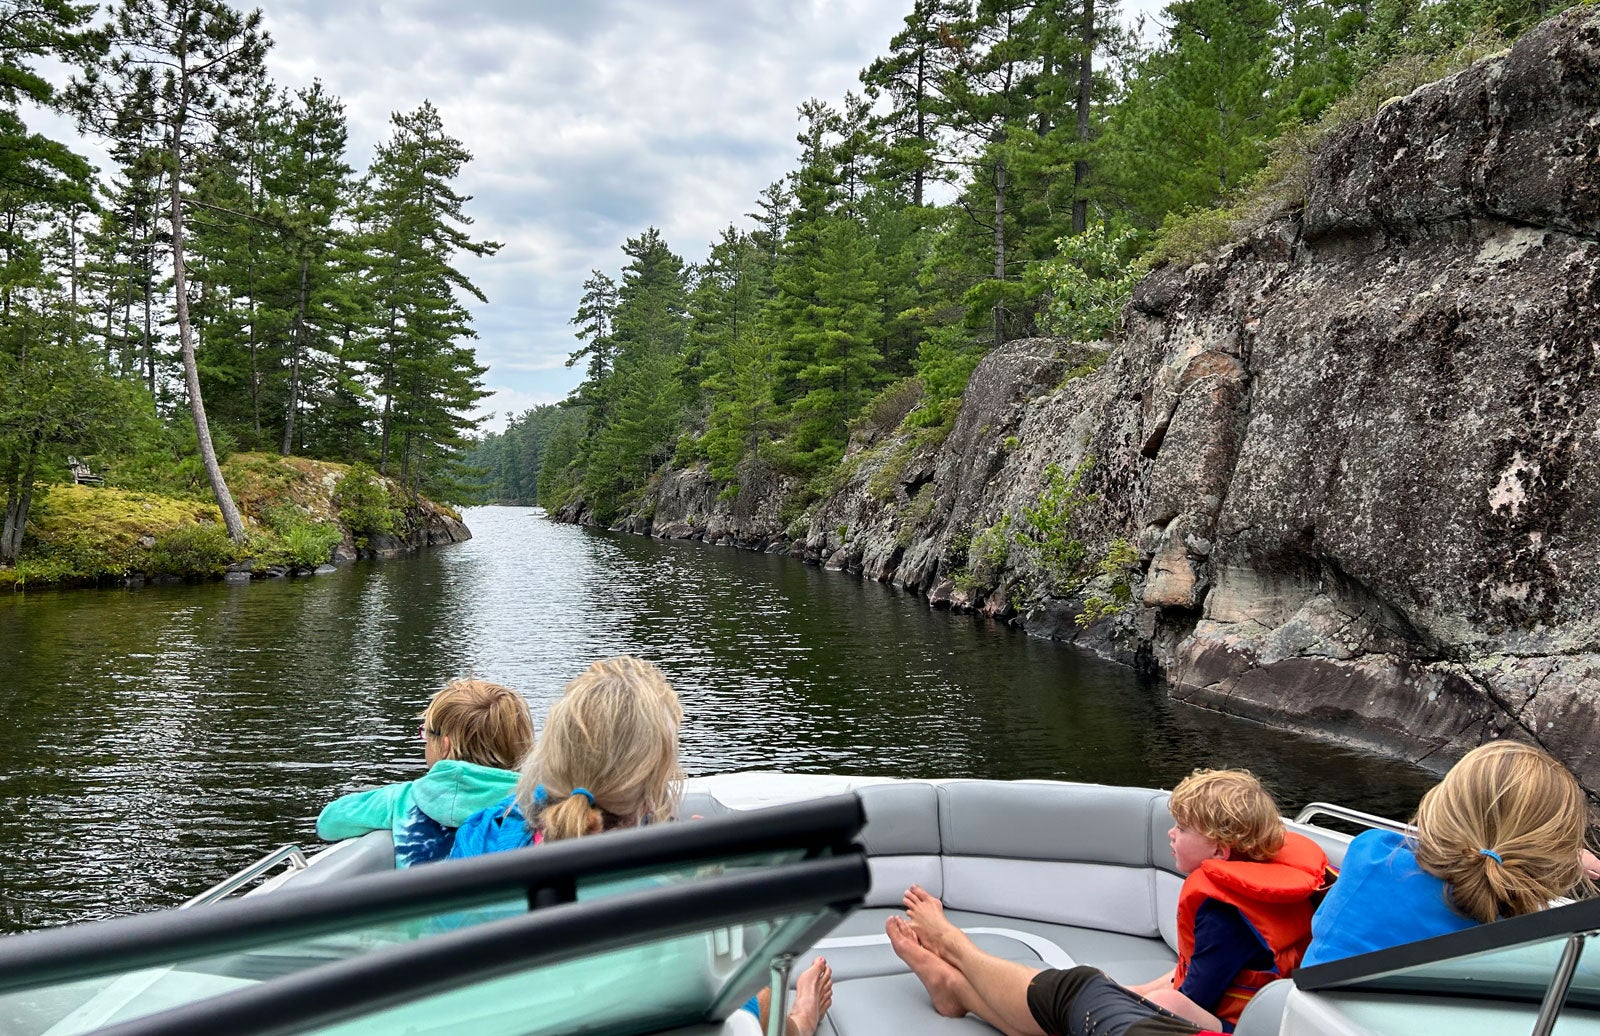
x=1354 y=816
x=285 y=854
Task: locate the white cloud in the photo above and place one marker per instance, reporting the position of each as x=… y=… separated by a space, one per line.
x=502 y=404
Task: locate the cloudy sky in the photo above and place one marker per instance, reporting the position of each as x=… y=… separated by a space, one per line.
x=589 y=121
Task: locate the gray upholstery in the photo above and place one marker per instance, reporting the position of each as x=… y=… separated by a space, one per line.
x=1126 y=958
x=372 y=853
x=701 y=804
x=1263 y=1015
x=1088 y=869
x=902 y=838
x=1028 y=821
x=902 y=819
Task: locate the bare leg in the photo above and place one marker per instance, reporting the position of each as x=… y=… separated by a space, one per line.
x=1183 y=1007
x=1002 y=985
x=813 y=995
x=951 y=993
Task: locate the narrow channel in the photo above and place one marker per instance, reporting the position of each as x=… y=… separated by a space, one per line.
x=157 y=739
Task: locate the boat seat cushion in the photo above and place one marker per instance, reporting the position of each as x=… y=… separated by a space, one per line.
x=1126 y=958
x=1004 y=853
x=901 y=837
x=874 y=993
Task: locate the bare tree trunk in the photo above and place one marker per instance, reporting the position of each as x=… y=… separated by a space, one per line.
x=19 y=497
x=1080 y=165
x=149 y=291
x=388 y=395
x=191 y=371
x=922 y=121
x=999 y=248
x=72 y=276
x=296 y=337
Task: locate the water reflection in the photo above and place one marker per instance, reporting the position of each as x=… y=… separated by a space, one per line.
x=155 y=740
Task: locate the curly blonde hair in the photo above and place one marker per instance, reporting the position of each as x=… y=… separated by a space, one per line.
x=613 y=733
x=1231 y=808
x=1503 y=829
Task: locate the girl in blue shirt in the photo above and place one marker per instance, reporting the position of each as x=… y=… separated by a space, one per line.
x=1500 y=836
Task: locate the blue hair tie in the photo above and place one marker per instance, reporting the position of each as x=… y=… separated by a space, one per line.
x=540 y=796
x=1492 y=855
x=586 y=793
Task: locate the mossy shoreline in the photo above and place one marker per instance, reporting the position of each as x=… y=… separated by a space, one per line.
x=299 y=514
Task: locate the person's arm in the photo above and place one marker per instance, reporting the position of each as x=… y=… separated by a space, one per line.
x=360 y=812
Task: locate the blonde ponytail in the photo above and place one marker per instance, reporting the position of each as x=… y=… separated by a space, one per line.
x=572 y=817
x=1503 y=830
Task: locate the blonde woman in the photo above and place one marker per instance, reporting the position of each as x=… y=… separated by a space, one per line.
x=1500 y=836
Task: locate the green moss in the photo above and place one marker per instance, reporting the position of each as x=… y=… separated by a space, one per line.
x=78 y=533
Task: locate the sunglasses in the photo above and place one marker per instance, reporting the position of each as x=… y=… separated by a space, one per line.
x=424 y=731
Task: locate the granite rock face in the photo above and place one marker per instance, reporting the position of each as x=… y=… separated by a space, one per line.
x=1358 y=453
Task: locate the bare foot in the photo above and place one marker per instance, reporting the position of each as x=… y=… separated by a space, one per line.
x=934 y=930
x=813 y=995
x=942 y=981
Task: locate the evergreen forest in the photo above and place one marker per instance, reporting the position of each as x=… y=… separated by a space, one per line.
x=232 y=282
x=1007 y=168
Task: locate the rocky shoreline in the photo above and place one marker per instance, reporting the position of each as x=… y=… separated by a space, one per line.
x=1357 y=453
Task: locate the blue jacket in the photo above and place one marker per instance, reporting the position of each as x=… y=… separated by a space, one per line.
x=1382 y=899
x=495 y=829
x=423 y=814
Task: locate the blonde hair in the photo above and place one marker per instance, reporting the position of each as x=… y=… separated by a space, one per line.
x=614 y=733
x=1229 y=807
x=486 y=723
x=1503 y=830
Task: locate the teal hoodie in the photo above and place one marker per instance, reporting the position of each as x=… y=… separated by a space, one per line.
x=422 y=814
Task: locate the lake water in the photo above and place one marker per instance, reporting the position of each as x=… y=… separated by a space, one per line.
x=155 y=740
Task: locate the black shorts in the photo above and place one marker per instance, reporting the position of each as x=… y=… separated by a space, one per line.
x=1082 y=1001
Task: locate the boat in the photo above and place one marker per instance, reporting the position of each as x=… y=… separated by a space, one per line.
x=669 y=928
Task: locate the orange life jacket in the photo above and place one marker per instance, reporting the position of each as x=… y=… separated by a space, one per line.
x=1276 y=898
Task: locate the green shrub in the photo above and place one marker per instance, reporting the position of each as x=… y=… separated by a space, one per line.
x=884 y=412
x=202 y=549
x=1088 y=283
x=884 y=481
x=1117 y=568
x=365 y=506
x=298 y=539
x=1186 y=237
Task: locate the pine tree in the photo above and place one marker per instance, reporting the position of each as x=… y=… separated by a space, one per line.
x=739 y=363
x=596 y=316
x=315 y=292
x=837 y=333
x=913 y=76
x=428 y=376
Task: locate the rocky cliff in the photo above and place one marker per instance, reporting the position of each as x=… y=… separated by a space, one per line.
x=1358 y=452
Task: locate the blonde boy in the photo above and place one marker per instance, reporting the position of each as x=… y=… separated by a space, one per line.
x=474 y=735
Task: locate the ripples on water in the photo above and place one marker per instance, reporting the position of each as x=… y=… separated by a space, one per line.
x=156 y=740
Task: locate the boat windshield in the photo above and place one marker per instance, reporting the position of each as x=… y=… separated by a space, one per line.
x=284 y=936
x=1524 y=974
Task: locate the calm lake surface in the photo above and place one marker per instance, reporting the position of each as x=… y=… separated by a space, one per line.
x=155 y=740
